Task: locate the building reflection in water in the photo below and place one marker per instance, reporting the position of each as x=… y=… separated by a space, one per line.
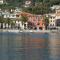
x=29 y=46
x=36 y=47
x=54 y=46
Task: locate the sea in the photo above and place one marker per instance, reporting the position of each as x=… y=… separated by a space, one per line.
x=29 y=46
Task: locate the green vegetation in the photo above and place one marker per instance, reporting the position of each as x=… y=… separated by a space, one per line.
x=1 y=21
x=46 y=22
x=24 y=19
x=38 y=6
x=19 y=3
x=6 y=21
x=7 y=6
x=41 y=6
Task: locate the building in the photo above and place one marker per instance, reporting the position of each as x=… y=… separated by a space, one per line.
x=54 y=18
x=57 y=14
x=8 y=15
x=27 y=3
x=52 y=21
x=58 y=17
x=13 y=16
x=35 y=21
x=55 y=7
x=1 y=2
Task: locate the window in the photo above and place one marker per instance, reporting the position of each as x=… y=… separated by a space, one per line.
x=51 y=17
x=51 y=20
x=53 y=24
x=36 y=17
x=13 y=15
x=50 y=24
x=17 y=15
x=38 y=23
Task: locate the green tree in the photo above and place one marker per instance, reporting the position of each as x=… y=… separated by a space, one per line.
x=12 y=23
x=40 y=8
x=1 y=21
x=8 y=21
x=46 y=22
x=54 y=2
x=24 y=19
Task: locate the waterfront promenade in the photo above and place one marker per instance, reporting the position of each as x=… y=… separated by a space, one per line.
x=17 y=31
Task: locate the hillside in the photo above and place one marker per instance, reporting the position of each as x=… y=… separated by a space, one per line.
x=45 y=1
x=38 y=6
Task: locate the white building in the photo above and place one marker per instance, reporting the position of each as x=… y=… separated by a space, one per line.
x=57 y=13
x=58 y=17
x=54 y=17
x=55 y=7
x=8 y=15
x=1 y=2
x=52 y=20
x=13 y=15
x=17 y=10
x=27 y=3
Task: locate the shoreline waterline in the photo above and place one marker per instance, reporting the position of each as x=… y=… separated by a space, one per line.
x=17 y=31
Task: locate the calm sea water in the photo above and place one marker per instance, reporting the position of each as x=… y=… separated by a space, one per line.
x=29 y=46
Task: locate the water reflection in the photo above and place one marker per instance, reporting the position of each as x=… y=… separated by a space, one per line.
x=29 y=46
x=54 y=46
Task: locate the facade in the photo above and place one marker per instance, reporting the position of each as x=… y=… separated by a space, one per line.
x=58 y=17
x=54 y=18
x=1 y=2
x=55 y=7
x=36 y=21
x=9 y=15
x=12 y=16
x=52 y=21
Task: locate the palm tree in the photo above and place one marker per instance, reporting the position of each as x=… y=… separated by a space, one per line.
x=1 y=21
x=46 y=22
x=8 y=21
x=24 y=19
x=5 y=21
x=12 y=24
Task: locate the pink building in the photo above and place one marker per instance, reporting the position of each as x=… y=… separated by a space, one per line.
x=36 y=20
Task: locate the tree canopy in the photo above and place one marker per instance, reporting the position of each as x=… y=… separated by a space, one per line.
x=52 y=2
x=40 y=8
x=23 y=19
